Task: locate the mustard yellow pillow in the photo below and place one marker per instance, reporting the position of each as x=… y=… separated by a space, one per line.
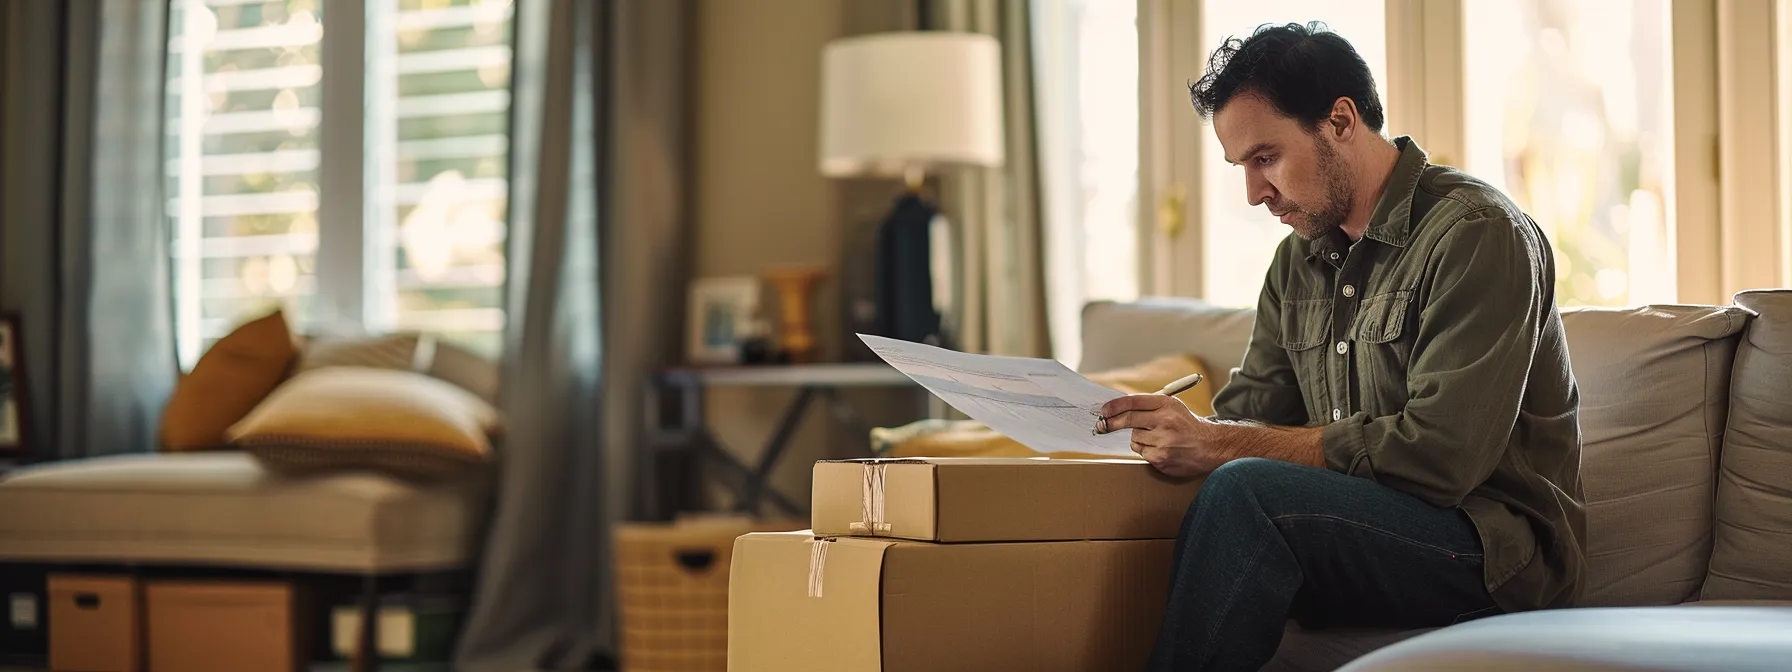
x=234 y=375
x=975 y=440
x=398 y=422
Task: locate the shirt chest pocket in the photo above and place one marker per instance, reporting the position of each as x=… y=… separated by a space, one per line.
x=1384 y=335
x=1306 y=335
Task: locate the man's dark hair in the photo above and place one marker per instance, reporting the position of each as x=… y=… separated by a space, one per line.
x=1301 y=70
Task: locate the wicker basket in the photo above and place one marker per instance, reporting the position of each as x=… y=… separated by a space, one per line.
x=672 y=585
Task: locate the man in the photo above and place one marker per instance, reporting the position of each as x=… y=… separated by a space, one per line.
x=1400 y=447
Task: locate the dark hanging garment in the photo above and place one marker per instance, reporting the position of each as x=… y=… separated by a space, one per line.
x=905 y=273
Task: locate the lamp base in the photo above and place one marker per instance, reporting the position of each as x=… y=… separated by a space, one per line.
x=907 y=255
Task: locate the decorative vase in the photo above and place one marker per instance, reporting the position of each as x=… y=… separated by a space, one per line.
x=795 y=287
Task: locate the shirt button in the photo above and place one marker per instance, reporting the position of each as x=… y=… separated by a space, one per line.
x=1334 y=256
x=1343 y=347
x=1337 y=415
x=1349 y=291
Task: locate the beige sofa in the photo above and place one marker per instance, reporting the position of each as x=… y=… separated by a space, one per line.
x=1686 y=422
x=206 y=513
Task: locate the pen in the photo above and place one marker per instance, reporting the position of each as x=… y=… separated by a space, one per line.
x=1175 y=387
x=1181 y=385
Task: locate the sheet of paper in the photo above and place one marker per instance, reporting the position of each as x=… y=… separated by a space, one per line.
x=1038 y=402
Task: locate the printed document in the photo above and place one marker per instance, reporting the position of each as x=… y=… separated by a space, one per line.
x=1038 y=402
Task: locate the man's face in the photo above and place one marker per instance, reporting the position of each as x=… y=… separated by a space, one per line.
x=1296 y=174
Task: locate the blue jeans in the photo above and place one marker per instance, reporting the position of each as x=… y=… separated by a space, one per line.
x=1266 y=541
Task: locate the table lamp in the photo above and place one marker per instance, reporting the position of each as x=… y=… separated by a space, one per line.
x=905 y=104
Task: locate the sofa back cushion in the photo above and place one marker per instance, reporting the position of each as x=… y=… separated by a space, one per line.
x=1654 y=383
x=1121 y=334
x=1752 y=555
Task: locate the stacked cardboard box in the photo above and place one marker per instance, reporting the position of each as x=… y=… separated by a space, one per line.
x=962 y=564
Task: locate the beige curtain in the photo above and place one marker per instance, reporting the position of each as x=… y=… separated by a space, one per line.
x=84 y=259
x=598 y=247
x=995 y=212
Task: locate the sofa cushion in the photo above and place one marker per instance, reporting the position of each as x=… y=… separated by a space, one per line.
x=234 y=375
x=223 y=508
x=404 y=351
x=399 y=422
x=1729 y=638
x=1752 y=556
x=1118 y=334
x=1654 y=382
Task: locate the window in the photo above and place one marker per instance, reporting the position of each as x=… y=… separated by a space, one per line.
x=411 y=238
x=1571 y=106
x=1087 y=72
x=1240 y=238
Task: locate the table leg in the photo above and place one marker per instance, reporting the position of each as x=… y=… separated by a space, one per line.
x=739 y=472
x=774 y=449
x=367 y=652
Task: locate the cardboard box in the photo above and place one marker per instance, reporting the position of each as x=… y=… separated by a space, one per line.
x=96 y=623
x=226 y=625
x=998 y=499
x=801 y=603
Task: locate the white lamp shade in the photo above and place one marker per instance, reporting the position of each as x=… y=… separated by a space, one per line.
x=895 y=101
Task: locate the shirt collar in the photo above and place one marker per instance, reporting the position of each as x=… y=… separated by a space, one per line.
x=1391 y=222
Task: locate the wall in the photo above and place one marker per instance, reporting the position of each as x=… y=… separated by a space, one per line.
x=760 y=201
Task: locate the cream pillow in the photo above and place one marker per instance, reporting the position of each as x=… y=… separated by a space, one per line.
x=399 y=422
x=405 y=351
x=409 y=351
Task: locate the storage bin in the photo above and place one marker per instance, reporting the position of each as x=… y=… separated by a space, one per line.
x=96 y=623
x=206 y=626
x=672 y=589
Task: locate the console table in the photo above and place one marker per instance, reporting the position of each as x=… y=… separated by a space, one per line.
x=676 y=426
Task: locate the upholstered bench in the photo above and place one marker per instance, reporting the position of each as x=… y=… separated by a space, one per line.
x=223 y=510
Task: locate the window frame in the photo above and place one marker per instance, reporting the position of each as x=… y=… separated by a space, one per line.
x=354 y=274
x=1722 y=241
x=343 y=218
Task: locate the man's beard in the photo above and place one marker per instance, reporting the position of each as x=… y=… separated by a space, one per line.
x=1314 y=224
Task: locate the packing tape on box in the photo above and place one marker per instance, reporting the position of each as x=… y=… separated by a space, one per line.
x=871 y=503
x=818 y=565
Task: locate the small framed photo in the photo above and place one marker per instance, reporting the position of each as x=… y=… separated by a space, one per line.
x=13 y=413
x=722 y=311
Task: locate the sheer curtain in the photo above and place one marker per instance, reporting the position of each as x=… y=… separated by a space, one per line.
x=597 y=225
x=83 y=243
x=1086 y=74
x=1002 y=305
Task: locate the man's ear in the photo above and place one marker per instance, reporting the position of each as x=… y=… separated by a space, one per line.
x=1344 y=120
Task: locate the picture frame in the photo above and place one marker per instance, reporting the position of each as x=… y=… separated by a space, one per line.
x=721 y=311
x=14 y=402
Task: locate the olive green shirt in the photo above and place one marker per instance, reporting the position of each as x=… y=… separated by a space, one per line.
x=1432 y=354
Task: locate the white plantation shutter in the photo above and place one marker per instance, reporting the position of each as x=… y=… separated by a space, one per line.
x=365 y=193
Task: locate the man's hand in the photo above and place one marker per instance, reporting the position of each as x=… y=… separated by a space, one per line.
x=1168 y=435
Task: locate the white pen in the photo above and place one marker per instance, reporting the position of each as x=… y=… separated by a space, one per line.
x=1175 y=387
x=1181 y=385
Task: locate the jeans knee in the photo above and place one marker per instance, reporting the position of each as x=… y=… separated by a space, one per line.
x=1243 y=473
x=1243 y=479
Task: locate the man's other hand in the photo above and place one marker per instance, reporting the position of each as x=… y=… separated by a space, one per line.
x=1165 y=433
